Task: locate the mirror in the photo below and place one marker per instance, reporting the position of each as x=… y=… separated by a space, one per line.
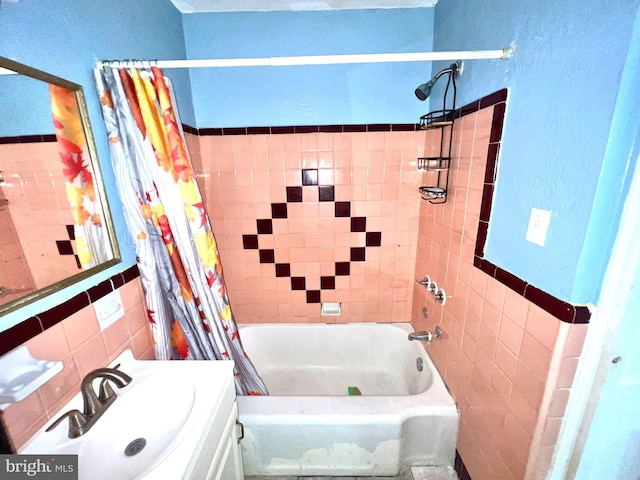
x=55 y=227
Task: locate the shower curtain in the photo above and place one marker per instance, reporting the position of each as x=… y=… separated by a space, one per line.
x=188 y=306
x=92 y=243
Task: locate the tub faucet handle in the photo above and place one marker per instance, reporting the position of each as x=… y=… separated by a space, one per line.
x=425 y=282
x=441 y=297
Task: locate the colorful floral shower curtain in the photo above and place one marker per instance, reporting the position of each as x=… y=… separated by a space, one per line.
x=176 y=250
x=92 y=245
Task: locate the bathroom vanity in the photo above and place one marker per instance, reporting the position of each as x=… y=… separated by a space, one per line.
x=175 y=419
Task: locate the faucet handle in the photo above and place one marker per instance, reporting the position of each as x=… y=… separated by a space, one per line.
x=106 y=390
x=77 y=421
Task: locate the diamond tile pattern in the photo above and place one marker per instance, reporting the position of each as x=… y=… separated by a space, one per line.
x=342 y=209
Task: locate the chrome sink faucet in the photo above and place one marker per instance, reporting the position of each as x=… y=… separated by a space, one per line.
x=94 y=405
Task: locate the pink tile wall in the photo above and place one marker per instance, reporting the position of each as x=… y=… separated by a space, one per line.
x=241 y=176
x=16 y=277
x=35 y=187
x=498 y=349
x=82 y=347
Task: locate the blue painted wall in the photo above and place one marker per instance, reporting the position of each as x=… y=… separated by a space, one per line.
x=20 y=117
x=563 y=83
x=308 y=95
x=65 y=38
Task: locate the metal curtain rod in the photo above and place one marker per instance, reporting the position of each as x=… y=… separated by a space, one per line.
x=313 y=59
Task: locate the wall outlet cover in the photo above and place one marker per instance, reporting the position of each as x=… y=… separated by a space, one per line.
x=538 y=226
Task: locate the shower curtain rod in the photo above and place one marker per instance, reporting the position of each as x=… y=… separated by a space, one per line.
x=313 y=59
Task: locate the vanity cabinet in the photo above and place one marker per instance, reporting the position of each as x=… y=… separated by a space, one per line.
x=220 y=456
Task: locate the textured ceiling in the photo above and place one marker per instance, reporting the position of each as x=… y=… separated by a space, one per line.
x=195 y=6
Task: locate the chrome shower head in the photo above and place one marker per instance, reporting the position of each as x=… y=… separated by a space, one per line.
x=424 y=90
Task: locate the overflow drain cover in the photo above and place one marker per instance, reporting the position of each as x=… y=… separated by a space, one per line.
x=135 y=447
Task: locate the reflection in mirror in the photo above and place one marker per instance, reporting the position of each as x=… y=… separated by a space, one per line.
x=54 y=218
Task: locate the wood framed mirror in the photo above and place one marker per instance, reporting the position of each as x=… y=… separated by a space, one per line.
x=55 y=224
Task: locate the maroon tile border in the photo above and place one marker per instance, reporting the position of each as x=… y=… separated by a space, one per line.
x=278 y=130
x=28 y=139
x=29 y=328
x=563 y=311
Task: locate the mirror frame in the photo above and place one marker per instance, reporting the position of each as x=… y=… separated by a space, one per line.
x=22 y=69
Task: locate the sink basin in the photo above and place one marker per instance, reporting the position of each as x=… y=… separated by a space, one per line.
x=136 y=430
x=152 y=422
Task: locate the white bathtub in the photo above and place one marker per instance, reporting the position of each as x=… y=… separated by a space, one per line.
x=310 y=425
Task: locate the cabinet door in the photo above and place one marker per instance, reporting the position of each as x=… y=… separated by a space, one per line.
x=228 y=464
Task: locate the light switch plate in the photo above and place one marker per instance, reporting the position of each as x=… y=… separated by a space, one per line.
x=538 y=226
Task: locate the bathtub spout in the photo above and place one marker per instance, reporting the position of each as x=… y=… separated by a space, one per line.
x=422 y=336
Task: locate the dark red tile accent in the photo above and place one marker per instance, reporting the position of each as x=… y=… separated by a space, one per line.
x=354 y=128
x=379 y=127
x=556 y=307
x=359 y=224
x=117 y=280
x=374 y=239
x=305 y=129
x=327 y=283
x=405 y=127
x=343 y=268
x=498 y=121
x=491 y=171
x=267 y=256
x=131 y=273
x=343 y=209
x=583 y=314
x=310 y=177
x=234 y=131
x=470 y=108
x=258 y=130
x=45 y=138
x=250 y=242
x=481 y=239
x=357 y=254
x=298 y=283
x=18 y=334
x=283 y=270
x=294 y=194
x=493 y=98
x=64 y=247
x=278 y=210
x=9 y=140
x=265 y=226
x=203 y=132
x=510 y=280
x=326 y=193
x=189 y=129
x=313 y=296
x=71 y=231
x=99 y=291
x=64 y=310
x=485 y=205
x=330 y=129
x=282 y=130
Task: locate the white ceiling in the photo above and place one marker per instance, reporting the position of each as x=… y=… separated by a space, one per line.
x=197 y=6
